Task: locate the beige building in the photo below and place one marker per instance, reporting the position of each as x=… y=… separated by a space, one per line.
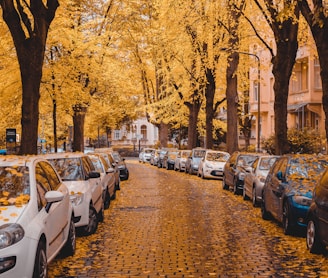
x=304 y=100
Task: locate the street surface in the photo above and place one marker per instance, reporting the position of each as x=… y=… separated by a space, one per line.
x=170 y=224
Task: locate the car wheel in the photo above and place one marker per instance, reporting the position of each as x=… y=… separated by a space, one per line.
x=313 y=242
x=118 y=185
x=224 y=185
x=107 y=200
x=264 y=213
x=93 y=222
x=40 y=265
x=70 y=245
x=254 y=201
x=114 y=195
x=101 y=214
x=286 y=219
x=202 y=175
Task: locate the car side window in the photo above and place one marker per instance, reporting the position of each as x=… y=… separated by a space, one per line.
x=42 y=185
x=51 y=175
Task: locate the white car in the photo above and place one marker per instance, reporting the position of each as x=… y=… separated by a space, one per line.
x=145 y=155
x=180 y=161
x=84 y=184
x=36 y=221
x=107 y=177
x=212 y=164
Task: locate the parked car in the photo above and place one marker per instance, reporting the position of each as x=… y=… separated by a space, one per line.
x=234 y=170
x=84 y=184
x=36 y=217
x=193 y=160
x=161 y=155
x=107 y=177
x=317 y=217
x=145 y=155
x=169 y=159
x=287 y=191
x=212 y=164
x=154 y=157
x=120 y=162
x=106 y=153
x=255 y=177
x=180 y=161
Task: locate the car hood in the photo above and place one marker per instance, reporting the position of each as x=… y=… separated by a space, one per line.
x=11 y=214
x=77 y=186
x=216 y=163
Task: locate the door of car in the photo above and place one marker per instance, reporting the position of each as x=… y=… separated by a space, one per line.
x=95 y=183
x=275 y=187
x=56 y=220
x=321 y=200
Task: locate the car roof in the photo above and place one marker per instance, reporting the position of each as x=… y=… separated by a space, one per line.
x=19 y=160
x=65 y=155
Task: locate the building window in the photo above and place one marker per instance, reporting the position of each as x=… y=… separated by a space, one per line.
x=255 y=90
x=317 y=77
x=300 y=76
x=117 y=134
x=143 y=130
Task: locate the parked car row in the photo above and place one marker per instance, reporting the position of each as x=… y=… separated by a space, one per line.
x=291 y=189
x=205 y=163
x=45 y=200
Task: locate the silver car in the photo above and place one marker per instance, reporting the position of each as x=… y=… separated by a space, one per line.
x=180 y=161
x=255 y=177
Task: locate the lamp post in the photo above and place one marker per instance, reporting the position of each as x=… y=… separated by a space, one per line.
x=258 y=93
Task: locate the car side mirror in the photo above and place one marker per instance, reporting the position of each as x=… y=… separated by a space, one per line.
x=279 y=176
x=110 y=170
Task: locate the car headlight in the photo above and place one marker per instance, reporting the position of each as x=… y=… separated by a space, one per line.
x=10 y=234
x=262 y=179
x=76 y=198
x=209 y=165
x=241 y=176
x=302 y=200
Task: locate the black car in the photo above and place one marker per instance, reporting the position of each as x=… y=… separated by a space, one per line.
x=317 y=218
x=120 y=161
x=235 y=170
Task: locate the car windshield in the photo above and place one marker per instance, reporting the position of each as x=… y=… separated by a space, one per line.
x=302 y=168
x=246 y=160
x=266 y=163
x=199 y=153
x=185 y=154
x=148 y=151
x=15 y=185
x=213 y=156
x=97 y=163
x=69 y=169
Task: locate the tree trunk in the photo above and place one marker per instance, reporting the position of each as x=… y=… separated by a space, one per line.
x=209 y=95
x=232 y=103
x=318 y=24
x=29 y=36
x=78 y=133
x=192 y=123
x=163 y=134
x=283 y=65
x=54 y=118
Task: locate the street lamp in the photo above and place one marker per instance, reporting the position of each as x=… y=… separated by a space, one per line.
x=258 y=93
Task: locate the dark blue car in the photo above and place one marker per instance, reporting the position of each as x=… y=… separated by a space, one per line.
x=287 y=191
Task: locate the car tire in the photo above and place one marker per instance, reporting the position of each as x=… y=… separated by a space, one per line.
x=286 y=219
x=245 y=197
x=264 y=213
x=101 y=214
x=235 y=189
x=202 y=175
x=40 y=263
x=70 y=245
x=313 y=242
x=107 y=200
x=93 y=222
x=224 y=184
x=254 y=200
x=118 y=185
x=113 y=196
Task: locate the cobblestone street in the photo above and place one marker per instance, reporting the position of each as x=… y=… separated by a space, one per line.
x=170 y=224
